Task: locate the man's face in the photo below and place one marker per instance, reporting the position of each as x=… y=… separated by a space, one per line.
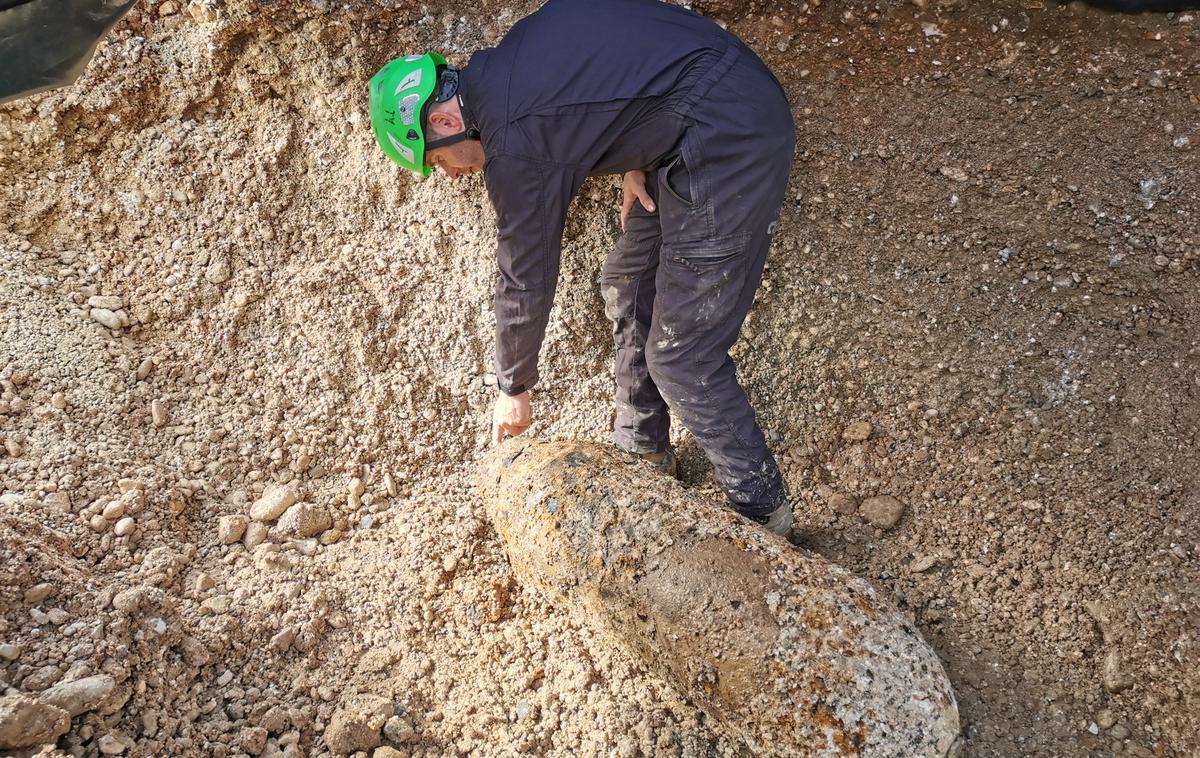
x=461 y=159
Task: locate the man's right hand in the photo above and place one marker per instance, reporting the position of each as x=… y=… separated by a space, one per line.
x=511 y=415
x=633 y=189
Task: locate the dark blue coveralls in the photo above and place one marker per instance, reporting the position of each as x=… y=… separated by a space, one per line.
x=587 y=87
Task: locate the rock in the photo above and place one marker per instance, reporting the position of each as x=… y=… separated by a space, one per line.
x=194 y=652
x=10 y=652
x=124 y=527
x=253 y=739
x=144 y=368
x=305 y=520
x=922 y=564
x=218 y=271
x=204 y=583
x=276 y=499
x=356 y=724
x=107 y=302
x=114 y=743
x=953 y=172
x=387 y=752
x=843 y=504
x=711 y=603
x=42 y=678
x=38 y=592
x=25 y=722
x=858 y=431
x=111 y=319
x=114 y=510
x=1116 y=678
x=883 y=511
x=399 y=730
x=158 y=413
x=217 y=604
x=81 y=695
x=256 y=534
x=231 y=528
x=12 y=447
x=283 y=639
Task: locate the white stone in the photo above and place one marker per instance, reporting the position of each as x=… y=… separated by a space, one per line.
x=108 y=318
x=124 y=526
x=276 y=499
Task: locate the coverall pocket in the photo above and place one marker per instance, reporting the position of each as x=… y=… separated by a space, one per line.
x=677 y=180
x=707 y=255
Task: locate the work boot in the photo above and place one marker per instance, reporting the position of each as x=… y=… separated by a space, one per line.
x=664 y=461
x=778 y=521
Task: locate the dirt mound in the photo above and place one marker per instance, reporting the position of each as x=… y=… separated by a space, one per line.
x=215 y=290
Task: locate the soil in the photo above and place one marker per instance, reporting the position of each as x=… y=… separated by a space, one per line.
x=977 y=323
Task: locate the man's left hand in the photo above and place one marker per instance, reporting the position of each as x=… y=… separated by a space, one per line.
x=511 y=415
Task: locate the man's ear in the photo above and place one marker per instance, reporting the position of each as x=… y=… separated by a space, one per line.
x=445 y=122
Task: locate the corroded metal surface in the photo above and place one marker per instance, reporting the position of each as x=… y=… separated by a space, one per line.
x=792 y=653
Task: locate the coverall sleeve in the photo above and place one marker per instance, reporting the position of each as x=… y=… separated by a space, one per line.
x=531 y=200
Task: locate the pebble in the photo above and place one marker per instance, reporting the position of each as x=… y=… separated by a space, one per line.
x=955 y=174
x=883 y=511
x=106 y=317
x=113 y=743
x=305 y=520
x=25 y=722
x=218 y=271
x=253 y=740
x=124 y=527
x=107 y=302
x=923 y=564
x=10 y=652
x=276 y=499
x=217 y=604
x=12 y=447
x=231 y=528
x=1116 y=678
x=398 y=729
x=158 y=413
x=144 y=368
x=204 y=583
x=114 y=510
x=38 y=592
x=283 y=639
x=256 y=534
x=858 y=431
x=356 y=724
x=80 y=695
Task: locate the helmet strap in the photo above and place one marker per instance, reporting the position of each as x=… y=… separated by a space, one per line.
x=470 y=134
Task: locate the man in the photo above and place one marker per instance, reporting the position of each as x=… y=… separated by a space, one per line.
x=704 y=136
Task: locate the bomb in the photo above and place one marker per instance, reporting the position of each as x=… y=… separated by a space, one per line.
x=791 y=653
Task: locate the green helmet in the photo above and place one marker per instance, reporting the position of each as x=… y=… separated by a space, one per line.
x=399 y=93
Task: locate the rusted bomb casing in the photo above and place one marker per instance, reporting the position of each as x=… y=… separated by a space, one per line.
x=791 y=653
